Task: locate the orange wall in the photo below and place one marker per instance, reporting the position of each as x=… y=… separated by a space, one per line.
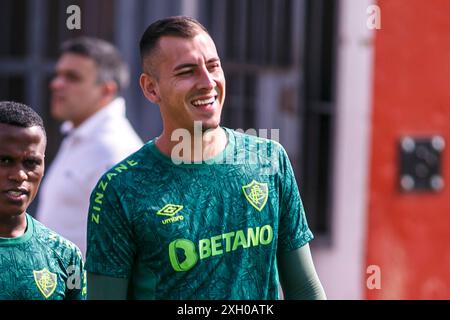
x=409 y=234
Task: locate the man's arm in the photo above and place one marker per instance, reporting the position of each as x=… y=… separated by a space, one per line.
x=76 y=290
x=106 y=288
x=298 y=275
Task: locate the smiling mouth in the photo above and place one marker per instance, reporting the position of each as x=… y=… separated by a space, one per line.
x=204 y=102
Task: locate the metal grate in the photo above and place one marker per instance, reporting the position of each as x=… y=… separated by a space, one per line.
x=278 y=58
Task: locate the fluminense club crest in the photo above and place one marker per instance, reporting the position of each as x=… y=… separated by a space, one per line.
x=257 y=194
x=46 y=282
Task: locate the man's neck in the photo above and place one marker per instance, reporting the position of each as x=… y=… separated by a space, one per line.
x=13 y=227
x=192 y=146
x=94 y=110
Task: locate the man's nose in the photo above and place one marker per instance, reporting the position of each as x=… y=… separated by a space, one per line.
x=18 y=174
x=56 y=82
x=206 y=80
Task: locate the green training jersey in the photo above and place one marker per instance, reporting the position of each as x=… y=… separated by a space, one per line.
x=207 y=230
x=40 y=265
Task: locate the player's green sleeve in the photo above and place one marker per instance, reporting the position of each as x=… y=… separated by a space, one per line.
x=77 y=281
x=106 y=288
x=293 y=231
x=298 y=276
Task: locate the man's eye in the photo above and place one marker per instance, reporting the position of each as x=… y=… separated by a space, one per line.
x=72 y=77
x=214 y=65
x=185 y=72
x=5 y=160
x=31 y=163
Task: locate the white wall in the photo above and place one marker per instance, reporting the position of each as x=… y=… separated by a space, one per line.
x=341 y=266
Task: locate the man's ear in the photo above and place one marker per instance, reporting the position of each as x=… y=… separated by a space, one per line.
x=109 y=90
x=149 y=87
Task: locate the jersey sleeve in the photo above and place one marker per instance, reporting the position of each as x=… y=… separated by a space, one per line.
x=110 y=244
x=76 y=287
x=293 y=229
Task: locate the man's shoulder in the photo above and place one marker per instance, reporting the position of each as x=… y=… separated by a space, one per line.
x=116 y=144
x=110 y=134
x=125 y=168
x=54 y=241
x=251 y=137
x=251 y=143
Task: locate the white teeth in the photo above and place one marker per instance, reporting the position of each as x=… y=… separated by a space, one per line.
x=203 y=102
x=15 y=193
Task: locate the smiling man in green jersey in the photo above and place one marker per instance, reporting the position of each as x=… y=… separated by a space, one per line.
x=216 y=215
x=35 y=262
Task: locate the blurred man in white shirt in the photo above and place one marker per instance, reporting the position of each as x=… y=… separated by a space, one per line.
x=85 y=92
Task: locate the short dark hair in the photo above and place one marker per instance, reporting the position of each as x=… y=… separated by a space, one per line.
x=20 y=115
x=178 y=26
x=110 y=65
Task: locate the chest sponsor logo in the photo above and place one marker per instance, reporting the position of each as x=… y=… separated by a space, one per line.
x=184 y=253
x=257 y=194
x=46 y=282
x=170 y=210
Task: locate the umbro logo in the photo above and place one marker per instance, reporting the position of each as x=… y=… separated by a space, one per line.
x=171 y=210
